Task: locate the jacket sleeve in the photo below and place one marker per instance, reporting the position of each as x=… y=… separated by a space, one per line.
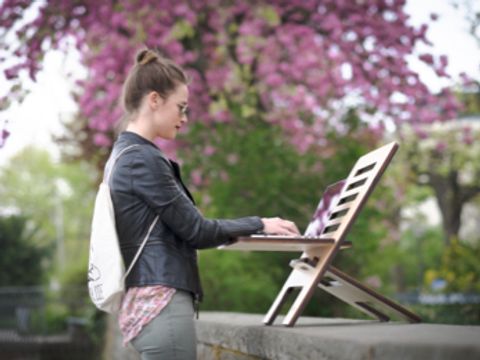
x=154 y=182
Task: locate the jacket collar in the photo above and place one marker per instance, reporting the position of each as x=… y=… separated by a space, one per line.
x=133 y=138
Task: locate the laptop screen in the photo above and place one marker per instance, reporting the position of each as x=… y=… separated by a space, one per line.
x=324 y=209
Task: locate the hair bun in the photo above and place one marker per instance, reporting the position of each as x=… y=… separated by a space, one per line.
x=146 y=56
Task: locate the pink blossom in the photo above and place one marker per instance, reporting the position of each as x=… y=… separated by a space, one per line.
x=12 y=73
x=209 y=150
x=421 y=133
x=224 y=176
x=100 y=139
x=467 y=81
x=468 y=138
x=305 y=64
x=196 y=177
x=443 y=61
x=3 y=137
x=427 y=58
x=232 y=159
x=441 y=146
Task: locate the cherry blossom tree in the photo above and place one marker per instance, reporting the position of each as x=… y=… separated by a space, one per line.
x=298 y=65
x=447 y=161
x=446 y=157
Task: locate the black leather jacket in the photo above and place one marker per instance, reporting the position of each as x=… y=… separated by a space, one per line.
x=145 y=183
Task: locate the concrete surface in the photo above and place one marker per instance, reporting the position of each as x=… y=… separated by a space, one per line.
x=237 y=336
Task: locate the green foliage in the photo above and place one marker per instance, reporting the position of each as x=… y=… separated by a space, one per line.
x=26 y=185
x=418 y=250
x=443 y=166
x=449 y=147
x=57 y=198
x=73 y=286
x=237 y=281
x=21 y=261
x=459 y=267
x=55 y=315
x=256 y=171
x=470 y=100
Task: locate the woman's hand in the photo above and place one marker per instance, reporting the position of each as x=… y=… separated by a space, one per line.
x=278 y=226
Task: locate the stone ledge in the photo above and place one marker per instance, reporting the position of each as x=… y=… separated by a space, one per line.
x=237 y=336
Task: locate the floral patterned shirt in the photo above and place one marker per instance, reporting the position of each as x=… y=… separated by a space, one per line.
x=139 y=306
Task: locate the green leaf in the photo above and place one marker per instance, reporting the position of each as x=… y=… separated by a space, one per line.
x=270 y=15
x=182 y=29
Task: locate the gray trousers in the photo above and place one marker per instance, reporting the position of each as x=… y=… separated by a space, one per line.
x=171 y=335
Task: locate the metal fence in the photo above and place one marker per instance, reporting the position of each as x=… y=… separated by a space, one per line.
x=440 y=299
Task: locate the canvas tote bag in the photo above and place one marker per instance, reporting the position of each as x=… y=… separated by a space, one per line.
x=106 y=271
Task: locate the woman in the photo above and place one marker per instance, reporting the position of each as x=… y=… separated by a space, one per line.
x=158 y=309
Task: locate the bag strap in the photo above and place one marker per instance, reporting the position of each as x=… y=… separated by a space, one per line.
x=110 y=168
x=137 y=255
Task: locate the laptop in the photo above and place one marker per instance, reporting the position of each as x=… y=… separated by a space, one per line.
x=310 y=239
x=324 y=209
x=317 y=223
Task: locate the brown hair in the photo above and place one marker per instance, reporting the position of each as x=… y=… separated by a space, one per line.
x=151 y=72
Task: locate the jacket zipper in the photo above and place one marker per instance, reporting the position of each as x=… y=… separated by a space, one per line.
x=196 y=305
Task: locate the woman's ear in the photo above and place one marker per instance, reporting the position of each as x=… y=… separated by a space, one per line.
x=153 y=99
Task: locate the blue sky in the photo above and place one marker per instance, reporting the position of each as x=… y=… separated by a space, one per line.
x=39 y=115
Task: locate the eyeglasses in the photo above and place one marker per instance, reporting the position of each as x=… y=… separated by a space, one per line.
x=183 y=110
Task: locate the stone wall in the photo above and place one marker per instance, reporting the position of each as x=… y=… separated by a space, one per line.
x=237 y=336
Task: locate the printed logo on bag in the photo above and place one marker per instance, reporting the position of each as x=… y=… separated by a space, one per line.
x=93 y=273
x=97 y=292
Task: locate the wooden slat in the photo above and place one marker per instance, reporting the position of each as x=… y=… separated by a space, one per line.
x=335 y=221
x=341 y=207
x=280 y=244
x=356 y=294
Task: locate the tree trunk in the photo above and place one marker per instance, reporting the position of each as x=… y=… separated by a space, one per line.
x=450 y=201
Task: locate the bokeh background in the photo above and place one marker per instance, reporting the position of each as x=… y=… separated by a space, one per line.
x=285 y=96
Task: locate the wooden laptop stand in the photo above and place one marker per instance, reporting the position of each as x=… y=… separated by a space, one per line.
x=313 y=269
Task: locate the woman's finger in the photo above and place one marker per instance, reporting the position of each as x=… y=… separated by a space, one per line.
x=291 y=227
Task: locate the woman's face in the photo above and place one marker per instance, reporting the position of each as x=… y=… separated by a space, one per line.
x=171 y=114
